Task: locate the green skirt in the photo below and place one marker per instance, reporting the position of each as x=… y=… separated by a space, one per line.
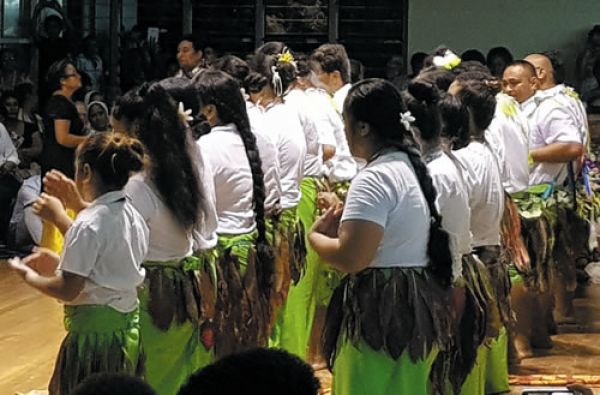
x=177 y=308
x=99 y=339
x=496 y=368
x=359 y=370
x=243 y=312
x=294 y=322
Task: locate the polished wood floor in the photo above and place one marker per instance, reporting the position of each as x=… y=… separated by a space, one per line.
x=31 y=330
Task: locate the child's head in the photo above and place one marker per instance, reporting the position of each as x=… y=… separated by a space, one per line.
x=105 y=161
x=259 y=371
x=112 y=384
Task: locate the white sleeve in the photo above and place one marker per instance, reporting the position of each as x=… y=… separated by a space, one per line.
x=324 y=118
x=8 y=152
x=80 y=251
x=370 y=198
x=559 y=127
x=141 y=198
x=33 y=223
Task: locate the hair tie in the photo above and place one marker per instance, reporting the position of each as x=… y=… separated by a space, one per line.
x=184 y=115
x=406 y=119
x=276 y=81
x=448 y=61
x=112 y=162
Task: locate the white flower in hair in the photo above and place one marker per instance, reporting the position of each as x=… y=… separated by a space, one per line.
x=406 y=118
x=185 y=115
x=449 y=61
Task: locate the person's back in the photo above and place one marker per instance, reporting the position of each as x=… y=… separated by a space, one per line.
x=254 y=372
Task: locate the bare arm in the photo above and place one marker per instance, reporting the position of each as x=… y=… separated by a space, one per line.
x=36 y=147
x=328 y=152
x=63 y=137
x=557 y=153
x=353 y=248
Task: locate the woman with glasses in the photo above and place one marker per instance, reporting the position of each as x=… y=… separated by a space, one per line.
x=63 y=132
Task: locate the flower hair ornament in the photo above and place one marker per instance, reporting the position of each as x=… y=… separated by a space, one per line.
x=184 y=115
x=449 y=61
x=276 y=81
x=286 y=57
x=406 y=119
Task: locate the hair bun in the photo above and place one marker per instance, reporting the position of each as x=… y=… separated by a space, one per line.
x=424 y=91
x=255 y=82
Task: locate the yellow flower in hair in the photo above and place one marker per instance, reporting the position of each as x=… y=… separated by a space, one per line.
x=286 y=57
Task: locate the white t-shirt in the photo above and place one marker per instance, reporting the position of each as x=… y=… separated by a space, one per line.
x=342 y=167
x=8 y=152
x=299 y=100
x=508 y=138
x=168 y=239
x=569 y=99
x=205 y=233
x=486 y=194
x=223 y=150
x=283 y=124
x=106 y=244
x=387 y=192
x=549 y=122
x=23 y=219
x=452 y=202
x=268 y=156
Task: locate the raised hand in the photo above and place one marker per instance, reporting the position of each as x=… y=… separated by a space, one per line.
x=49 y=208
x=65 y=189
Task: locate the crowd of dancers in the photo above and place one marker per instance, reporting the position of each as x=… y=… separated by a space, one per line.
x=271 y=203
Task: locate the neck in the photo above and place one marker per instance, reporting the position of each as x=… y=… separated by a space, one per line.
x=66 y=92
x=337 y=85
x=547 y=85
x=431 y=146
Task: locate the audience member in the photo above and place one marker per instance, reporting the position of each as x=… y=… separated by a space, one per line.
x=97 y=114
x=497 y=60
x=586 y=61
x=357 y=70
x=25 y=227
x=417 y=61
x=10 y=75
x=189 y=56
x=394 y=71
x=254 y=372
x=89 y=62
x=473 y=54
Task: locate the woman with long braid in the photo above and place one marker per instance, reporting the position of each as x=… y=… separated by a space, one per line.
x=388 y=319
x=273 y=75
x=177 y=299
x=246 y=263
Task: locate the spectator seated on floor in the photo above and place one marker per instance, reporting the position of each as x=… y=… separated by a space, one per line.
x=9 y=180
x=98 y=118
x=25 y=227
x=113 y=384
x=255 y=372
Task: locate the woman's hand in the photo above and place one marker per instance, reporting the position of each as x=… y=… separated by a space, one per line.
x=327 y=199
x=26 y=272
x=64 y=188
x=43 y=261
x=329 y=223
x=49 y=208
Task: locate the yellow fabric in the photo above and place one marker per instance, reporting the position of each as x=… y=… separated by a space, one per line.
x=52 y=239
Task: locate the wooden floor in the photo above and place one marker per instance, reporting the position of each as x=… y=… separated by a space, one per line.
x=31 y=330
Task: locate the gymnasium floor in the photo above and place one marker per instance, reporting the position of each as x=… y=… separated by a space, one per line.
x=31 y=331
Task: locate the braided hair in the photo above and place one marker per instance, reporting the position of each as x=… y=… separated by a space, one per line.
x=223 y=91
x=379 y=104
x=169 y=144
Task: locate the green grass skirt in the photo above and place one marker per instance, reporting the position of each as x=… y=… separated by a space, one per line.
x=99 y=339
x=172 y=323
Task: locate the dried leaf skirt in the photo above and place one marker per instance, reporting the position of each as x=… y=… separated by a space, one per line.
x=243 y=311
x=384 y=329
x=176 y=310
x=99 y=339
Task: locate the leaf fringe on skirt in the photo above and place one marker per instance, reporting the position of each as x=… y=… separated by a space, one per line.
x=99 y=339
x=393 y=310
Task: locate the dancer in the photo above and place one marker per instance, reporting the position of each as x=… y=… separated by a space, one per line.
x=99 y=269
x=390 y=348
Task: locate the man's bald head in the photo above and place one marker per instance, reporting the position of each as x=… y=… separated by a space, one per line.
x=543 y=68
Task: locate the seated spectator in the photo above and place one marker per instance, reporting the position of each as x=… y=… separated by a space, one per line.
x=591 y=98
x=473 y=54
x=98 y=118
x=357 y=70
x=255 y=372
x=586 y=61
x=25 y=136
x=89 y=62
x=112 y=384
x=27 y=96
x=92 y=96
x=9 y=180
x=497 y=60
x=394 y=72
x=25 y=227
x=82 y=112
x=10 y=76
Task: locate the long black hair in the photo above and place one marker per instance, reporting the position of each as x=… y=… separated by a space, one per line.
x=267 y=61
x=223 y=91
x=379 y=104
x=169 y=144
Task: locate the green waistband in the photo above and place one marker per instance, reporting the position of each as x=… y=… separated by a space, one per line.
x=98 y=319
x=192 y=262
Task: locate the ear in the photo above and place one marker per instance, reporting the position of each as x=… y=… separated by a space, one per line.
x=363 y=129
x=86 y=173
